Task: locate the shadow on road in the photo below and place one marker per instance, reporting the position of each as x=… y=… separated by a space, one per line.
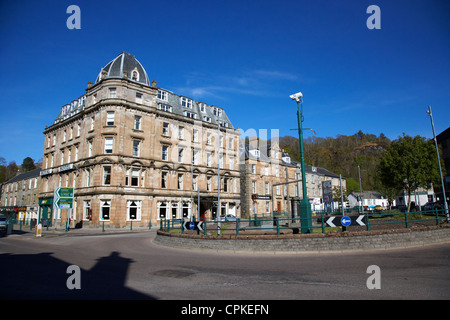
x=42 y=276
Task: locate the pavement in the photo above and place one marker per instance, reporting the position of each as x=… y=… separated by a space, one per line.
x=60 y=230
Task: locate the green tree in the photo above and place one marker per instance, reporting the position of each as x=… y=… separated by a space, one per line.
x=352 y=186
x=28 y=164
x=408 y=164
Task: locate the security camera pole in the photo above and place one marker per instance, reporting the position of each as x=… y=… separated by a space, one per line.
x=305 y=206
x=439 y=163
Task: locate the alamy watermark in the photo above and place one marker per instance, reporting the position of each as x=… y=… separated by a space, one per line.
x=374 y=280
x=74 y=20
x=374 y=21
x=74 y=280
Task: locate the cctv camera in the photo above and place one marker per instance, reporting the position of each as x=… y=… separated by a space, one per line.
x=296 y=96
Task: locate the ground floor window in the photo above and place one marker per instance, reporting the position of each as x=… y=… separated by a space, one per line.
x=162 y=209
x=186 y=209
x=134 y=210
x=105 y=209
x=174 y=210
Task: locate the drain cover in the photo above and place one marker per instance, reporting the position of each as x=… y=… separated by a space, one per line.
x=173 y=273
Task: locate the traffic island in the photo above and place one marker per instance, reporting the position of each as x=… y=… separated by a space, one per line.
x=320 y=242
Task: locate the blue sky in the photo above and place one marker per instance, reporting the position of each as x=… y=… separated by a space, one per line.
x=246 y=56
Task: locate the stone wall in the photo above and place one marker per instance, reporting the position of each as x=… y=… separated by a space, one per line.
x=348 y=241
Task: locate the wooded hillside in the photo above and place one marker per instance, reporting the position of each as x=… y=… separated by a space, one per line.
x=342 y=155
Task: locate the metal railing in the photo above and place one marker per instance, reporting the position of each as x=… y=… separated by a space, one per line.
x=280 y=223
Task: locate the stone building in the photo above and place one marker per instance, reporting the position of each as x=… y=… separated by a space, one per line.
x=271 y=181
x=135 y=152
x=19 y=196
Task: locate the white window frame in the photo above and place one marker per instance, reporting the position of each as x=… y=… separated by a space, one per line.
x=112 y=93
x=137 y=122
x=137 y=205
x=110 y=118
x=186 y=102
x=165 y=153
x=162 y=95
x=109 y=142
x=136 y=148
x=165 y=129
x=105 y=204
x=107 y=174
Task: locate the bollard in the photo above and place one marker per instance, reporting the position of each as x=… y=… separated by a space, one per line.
x=38 y=230
x=406 y=219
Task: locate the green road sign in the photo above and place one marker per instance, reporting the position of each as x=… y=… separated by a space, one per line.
x=65 y=192
x=63 y=198
x=64 y=203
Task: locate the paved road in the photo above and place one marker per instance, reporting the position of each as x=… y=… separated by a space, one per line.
x=131 y=266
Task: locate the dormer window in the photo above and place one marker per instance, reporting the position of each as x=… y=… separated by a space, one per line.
x=217 y=112
x=254 y=153
x=162 y=95
x=135 y=75
x=186 y=103
x=190 y=115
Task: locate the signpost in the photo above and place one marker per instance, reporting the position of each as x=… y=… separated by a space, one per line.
x=193 y=225
x=62 y=199
x=345 y=221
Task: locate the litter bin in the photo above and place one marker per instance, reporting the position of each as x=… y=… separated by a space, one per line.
x=44 y=222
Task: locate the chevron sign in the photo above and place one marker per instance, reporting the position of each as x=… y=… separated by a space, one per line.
x=337 y=221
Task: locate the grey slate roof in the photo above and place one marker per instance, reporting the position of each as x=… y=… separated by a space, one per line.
x=124 y=62
x=174 y=101
x=245 y=151
x=25 y=176
x=369 y=195
x=127 y=62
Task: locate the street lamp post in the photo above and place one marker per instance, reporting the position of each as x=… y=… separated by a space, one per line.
x=305 y=206
x=439 y=163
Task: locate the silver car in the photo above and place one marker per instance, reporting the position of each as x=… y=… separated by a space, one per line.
x=228 y=217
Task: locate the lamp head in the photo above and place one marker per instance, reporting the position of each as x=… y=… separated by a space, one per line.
x=296 y=96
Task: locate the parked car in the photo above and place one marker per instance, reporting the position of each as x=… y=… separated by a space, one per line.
x=3 y=223
x=428 y=206
x=439 y=205
x=378 y=208
x=228 y=217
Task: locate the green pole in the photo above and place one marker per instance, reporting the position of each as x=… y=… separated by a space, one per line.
x=305 y=206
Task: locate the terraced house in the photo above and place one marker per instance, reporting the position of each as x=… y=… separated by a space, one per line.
x=136 y=152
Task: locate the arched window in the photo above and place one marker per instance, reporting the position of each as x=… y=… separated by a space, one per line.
x=135 y=75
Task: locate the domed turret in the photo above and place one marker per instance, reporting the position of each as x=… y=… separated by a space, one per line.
x=124 y=65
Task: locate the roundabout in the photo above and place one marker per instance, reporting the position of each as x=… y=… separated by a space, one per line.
x=271 y=242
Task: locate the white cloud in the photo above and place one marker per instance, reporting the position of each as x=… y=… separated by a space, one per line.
x=254 y=83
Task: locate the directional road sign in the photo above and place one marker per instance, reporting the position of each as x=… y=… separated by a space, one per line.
x=345 y=221
x=63 y=198
x=193 y=225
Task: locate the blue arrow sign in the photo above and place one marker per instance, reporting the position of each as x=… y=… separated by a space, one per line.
x=346 y=221
x=192 y=225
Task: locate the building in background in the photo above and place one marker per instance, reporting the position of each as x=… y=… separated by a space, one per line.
x=19 y=196
x=271 y=181
x=443 y=141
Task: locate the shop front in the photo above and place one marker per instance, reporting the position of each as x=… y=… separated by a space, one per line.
x=45 y=211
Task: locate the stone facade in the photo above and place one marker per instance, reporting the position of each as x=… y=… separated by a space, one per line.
x=271 y=181
x=132 y=151
x=20 y=195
